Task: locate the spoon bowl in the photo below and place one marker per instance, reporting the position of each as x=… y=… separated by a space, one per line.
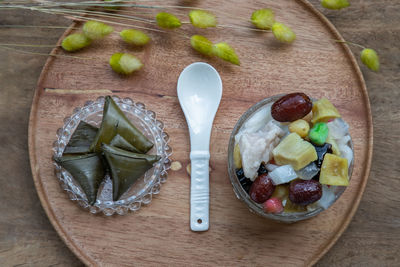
x=199 y=92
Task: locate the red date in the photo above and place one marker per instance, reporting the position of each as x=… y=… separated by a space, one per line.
x=303 y=192
x=291 y=107
x=262 y=188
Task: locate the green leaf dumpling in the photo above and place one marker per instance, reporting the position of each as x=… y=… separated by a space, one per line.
x=120 y=142
x=87 y=170
x=126 y=167
x=81 y=139
x=115 y=122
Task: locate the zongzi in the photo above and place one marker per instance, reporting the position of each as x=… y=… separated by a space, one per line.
x=115 y=122
x=126 y=167
x=81 y=139
x=120 y=142
x=87 y=170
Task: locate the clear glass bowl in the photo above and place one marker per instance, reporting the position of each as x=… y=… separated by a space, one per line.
x=244 y=196
x=144 y=188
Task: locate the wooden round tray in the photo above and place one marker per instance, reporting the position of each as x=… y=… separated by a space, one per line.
x=160 y=233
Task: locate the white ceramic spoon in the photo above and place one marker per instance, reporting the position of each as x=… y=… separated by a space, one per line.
x=199 y=92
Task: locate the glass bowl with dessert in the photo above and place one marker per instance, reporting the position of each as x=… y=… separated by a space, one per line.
x=290 y=157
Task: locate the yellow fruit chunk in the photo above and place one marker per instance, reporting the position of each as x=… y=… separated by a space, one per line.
x=295 y=151
x=308 y=117
x=290 y=207
x=236 y=157
x=323 y=110
x=334 y=171
x=301 y=127
x=281 y=192
x=335 y=147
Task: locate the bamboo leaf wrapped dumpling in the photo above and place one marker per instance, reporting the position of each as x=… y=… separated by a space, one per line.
x=115 y=122
x=120 y=142
x=87 y=170
x=81 y=139
x=126 y=167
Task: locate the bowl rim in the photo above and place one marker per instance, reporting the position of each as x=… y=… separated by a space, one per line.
x=242 y=195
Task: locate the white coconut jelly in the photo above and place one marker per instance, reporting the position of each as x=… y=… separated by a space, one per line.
x=257 y=138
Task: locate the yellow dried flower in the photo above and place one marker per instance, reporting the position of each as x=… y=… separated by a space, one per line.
x=370 y=59
x=263 y=18
x=134 y=37
x=283 y=33
x=202 y=44
x=225 y=52
x=202 y=19
x=125 y=63
x=75 y=41
x=167 y=20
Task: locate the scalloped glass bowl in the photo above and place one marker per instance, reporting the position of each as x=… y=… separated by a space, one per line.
x=244 y=196
x=144 y=188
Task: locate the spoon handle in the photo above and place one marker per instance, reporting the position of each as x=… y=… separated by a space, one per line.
x=199 y=191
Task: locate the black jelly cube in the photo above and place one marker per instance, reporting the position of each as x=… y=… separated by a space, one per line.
x=262 y=169
x=244 y=181
x=321 y=151
x=239 y=173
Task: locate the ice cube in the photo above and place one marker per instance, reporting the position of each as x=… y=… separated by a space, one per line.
x=283 y=174
x=285 y=128
x=328 y=197
x=308 y=172
x=344 y=140
x=338 y=128
x=270 y=167
x=312 y=206
x=346 y=152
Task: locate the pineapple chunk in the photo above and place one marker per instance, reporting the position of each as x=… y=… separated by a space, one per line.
x=335 y=147
x=334 y=171
x=295 y=151
x=291 y=207
x=323 y=110
x=236 y=157
x=281 y=192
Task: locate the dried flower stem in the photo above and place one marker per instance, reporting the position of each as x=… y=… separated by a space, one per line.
x=43 y=54
x=350 y=43
x=66 y=7
x=38 y=27
x=82 y=18
x=102 y=14
x=27 y=45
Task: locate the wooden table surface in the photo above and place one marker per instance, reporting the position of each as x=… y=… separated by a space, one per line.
x=373 y=238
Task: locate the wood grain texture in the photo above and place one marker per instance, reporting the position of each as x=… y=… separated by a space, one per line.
x=373 y=237
x=311 y=64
